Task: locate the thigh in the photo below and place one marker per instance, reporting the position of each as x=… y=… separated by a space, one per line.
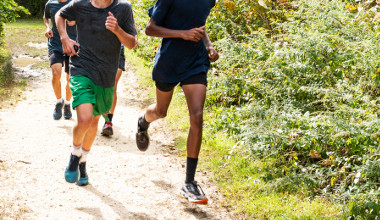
x=163 y=100
x=195 y=97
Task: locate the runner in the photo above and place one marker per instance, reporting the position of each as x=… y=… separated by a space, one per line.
x=57 y=58
x=102 y=26
x=107 y=129
x=184 y=57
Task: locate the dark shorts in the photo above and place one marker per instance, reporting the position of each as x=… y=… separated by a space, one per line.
x=122 y=60
x=200 y=78
x=58 y=57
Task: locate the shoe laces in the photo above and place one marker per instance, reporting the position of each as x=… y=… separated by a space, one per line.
x=198 y=189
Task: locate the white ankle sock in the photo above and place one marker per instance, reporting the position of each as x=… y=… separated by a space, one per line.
x=59 y=100
x=83 y=158
x=76 y=150
x=67 y=102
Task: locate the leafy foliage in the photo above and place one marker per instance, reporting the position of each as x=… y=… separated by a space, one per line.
x=9 y=10
x=298 y=84
x=35 y=7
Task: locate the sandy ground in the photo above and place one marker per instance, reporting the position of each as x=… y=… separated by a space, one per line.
x=124 y=183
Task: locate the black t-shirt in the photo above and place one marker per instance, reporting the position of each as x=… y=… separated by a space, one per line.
x=178 y=59
x=99 y=48
x=54 y=43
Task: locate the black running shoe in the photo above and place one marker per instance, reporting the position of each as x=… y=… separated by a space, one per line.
x=193 y=192
x=142 y=137
x=83 y=177
x=107 y=129
x=67 y=111
x=58 y=110
x=71 y=171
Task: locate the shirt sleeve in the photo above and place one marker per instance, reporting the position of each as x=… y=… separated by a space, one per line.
x=47 y=11
x=128 y=22
x=68 y=11
x=213 y=2
x=159 y=11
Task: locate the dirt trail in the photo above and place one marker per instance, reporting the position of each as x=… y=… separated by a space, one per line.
x=124 y=183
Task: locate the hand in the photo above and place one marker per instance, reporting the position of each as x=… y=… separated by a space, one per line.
x=68 y=46
x=71 y=23
x=212 y=54
x=49 y=33
x=111 y=23
x=137 y=42
x=195 y=34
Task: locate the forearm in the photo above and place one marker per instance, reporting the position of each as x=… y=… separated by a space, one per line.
x=129 y=41
x=155 y=30
x=46 y=22
x=207 y=40
x=61 y=26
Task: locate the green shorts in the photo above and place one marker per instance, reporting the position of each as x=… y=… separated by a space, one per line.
x=84 y=90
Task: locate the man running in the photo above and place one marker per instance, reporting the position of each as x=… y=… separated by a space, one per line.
x=107 y=129
x=102 y=26
x=57 y=58
x=184 y=57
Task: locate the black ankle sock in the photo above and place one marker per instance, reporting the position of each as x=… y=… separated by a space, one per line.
x=191 y=166
x=144 y=125
x=110 y=116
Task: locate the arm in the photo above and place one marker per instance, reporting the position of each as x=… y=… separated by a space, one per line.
x=128 y=40
x=48 y=32
x=67 y=43
x=212 y=53
x=154 y=30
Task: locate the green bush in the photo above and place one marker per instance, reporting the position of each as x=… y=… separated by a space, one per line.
x=298 y=83
x=6 y=73
x=35 y=7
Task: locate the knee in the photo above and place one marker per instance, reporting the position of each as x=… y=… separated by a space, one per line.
x=196 y=119
x=161 y=113
x=84 y=122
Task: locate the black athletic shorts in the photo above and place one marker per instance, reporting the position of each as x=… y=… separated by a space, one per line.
x=200 y=78
x=122 y=60
x=58 y=57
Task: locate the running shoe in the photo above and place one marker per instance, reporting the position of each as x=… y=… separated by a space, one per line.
x=193 y=192
x=71 y=172
x=83 y=178
x=107 y=129
x=142 y=137
x=58 y=110
x=67 y=111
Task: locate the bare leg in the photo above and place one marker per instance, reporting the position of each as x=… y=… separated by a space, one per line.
x=56 y=80
x=114 y=100
x=195 y=97
x=91 y=134
x=84 y=122
x=160 y=108
x=68 y=91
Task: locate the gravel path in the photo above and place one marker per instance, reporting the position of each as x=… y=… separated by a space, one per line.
x=124 y=183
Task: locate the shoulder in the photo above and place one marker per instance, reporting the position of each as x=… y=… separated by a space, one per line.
x=50 y=2
x=124 y=3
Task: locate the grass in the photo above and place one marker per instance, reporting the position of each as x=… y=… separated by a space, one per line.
x=18 y=35
x=22 y=32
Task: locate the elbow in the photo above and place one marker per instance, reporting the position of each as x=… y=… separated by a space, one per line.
x=148 y=30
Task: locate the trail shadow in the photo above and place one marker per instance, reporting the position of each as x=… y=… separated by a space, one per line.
x=193 y=209
x=95 y=212
x=165 y=186
x=199 y=214
x=117 y=206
